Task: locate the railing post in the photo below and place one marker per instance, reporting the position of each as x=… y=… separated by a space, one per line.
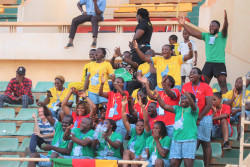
x=177 y=11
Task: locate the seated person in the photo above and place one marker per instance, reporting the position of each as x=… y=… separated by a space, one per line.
x=82 y=138
x=58 y=147
x=96 y=120
x=139 y=134
x=43 y=132
x=184 y=141
x=233 y=98
x=56 y=95
x=148 y=70
x=158 y=146
x=127 y=64
x=109 y=143
x=221 y=120
x=83 y=108
x=80 y=85
x=18 y=90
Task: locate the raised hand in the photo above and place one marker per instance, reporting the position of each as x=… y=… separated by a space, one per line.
x=82 y=94
x=124 y=101
x=34 y=116
x=118 y=51
x=72 y=90
x=142 y=79
x=140 y=101
x=225 y=14
x=113 y=78
x=155 y=94
x=40 y=104
x=181 y=20
x=135 y=44
x=190 y=45
x=103 y=79
x=235 y=92
x=187 y=94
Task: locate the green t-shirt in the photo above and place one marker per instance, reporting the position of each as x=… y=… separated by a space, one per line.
x=215 y=47
x=151 y=145
x=58 y=137
x=189 y=131
x=87 y=150
x=140 y=141
x=113 y=137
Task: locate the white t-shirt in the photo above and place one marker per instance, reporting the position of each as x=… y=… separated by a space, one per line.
x=184 y=49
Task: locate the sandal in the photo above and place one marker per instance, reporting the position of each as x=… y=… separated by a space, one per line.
x=93 y=45
x=69 y=45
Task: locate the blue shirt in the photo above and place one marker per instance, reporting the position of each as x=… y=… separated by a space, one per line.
x=90 y=7
x=46 y=129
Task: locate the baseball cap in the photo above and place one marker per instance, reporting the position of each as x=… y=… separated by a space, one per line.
x=21 y=70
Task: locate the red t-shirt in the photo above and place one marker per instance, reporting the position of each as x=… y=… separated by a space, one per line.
x=225 y=109
x=77 y=119
x=115 y=101
x=200 y=91
x=153 y=120
x=168 y=118
x=138 y=108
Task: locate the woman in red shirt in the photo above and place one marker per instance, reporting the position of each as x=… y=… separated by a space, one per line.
x=203 y=94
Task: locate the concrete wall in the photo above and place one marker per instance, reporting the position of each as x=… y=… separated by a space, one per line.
x=238 y=48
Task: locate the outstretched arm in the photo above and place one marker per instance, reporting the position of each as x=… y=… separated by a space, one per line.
x=144 y=80
x=145 y=116
x=65 y=109
x=162 y=103
x=47 y=113
x=191 y=31
x=225 y=25
x=144 y=57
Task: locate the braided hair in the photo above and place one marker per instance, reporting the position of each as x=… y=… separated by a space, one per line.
x=144 y=14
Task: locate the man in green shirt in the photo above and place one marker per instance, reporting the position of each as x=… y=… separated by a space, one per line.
x=82 y=138
x=59 y=146
x=215 y=44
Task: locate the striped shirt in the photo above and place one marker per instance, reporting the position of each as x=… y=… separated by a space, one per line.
x=46 y=129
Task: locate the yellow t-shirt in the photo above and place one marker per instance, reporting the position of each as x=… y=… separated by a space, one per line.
x=170 y=66
x=134 y=95
x=85 y=70
x=58 y=95
x=144 y=69
x=96 y=70
x=238 y=100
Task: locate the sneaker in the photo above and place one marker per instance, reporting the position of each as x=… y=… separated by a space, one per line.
x=93 y=45
x=226 y=146
x=27 y=151
x=69 y=45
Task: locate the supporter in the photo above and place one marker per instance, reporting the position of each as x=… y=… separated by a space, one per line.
x=83 y=108
x=183 y=49
x=114 y=105
x=233 y=98
x=148 y=70
x=174 y=44
x=215 y=43
x=184 y=140
x=139 y=134
x=56 y=95
x=204 y=97
x=166 y=64
x=129 y=66
x=158 y=146
x=170 y=96
x=18 y=90
x=94 y=14
x=43 y=132
x=80 y=85
x=58 y=147
x=96 y=120
x=221 y=120
x=143 y=33
x=82 y=138
x=93 y=80
x=110 y=147
x=136 y=109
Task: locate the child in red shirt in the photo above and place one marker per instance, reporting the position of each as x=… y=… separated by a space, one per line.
x=221 y=120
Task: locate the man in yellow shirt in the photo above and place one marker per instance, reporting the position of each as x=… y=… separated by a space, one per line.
x=233 y=98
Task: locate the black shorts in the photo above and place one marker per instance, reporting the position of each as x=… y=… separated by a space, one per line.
x=214 y=69
x=135 y=56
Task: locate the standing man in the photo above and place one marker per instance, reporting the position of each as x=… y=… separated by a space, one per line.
x=94 y=13
x=215 y=43
x=18 y=90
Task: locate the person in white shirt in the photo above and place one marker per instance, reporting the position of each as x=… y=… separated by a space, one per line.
x=184 y=50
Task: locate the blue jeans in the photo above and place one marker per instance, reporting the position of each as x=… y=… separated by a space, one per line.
x=25 y=101
x=44 y=163
x=170 y=130
x=36 y=141
x=183 y=149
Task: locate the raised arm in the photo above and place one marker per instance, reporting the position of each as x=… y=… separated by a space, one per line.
x=124 y=114
x=47 y=113
x=101 y=93
x=65 y=108
x=162 y=103
x=125 y=59
x=118 y=88
x=191 y=101
x=167 y=89
x=191 y=31
x=144 y=80
x=36 y=127
x=145 y=115
x=144 y=57
x=225 y=25
x=190 y=53
x=92 y=105
x=112 y=61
